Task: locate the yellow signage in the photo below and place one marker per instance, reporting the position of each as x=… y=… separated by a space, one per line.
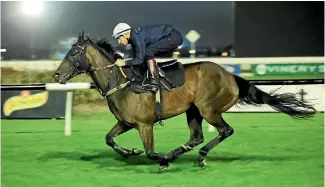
x=24 y=101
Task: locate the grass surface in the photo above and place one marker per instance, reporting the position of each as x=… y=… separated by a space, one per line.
x=266 y=150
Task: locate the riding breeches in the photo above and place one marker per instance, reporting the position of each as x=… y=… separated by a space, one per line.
x=165 y=45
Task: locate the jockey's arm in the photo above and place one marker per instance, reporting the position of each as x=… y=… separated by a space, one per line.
x=118 y=55
x=139 y=48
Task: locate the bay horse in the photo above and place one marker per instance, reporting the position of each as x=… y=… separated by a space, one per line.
x=207 y=92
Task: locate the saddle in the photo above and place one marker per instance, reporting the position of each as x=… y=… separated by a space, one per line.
x=171 y=75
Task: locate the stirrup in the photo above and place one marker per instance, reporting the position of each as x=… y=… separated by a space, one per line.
x=153 y=88
x=153 y=84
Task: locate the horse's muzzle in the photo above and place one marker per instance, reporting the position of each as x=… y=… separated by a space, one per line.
x=60 y=79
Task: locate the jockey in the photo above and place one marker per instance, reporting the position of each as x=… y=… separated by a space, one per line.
x=147 y=42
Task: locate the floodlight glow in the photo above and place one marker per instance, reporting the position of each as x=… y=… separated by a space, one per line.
x=32 y=7
x=192 y=51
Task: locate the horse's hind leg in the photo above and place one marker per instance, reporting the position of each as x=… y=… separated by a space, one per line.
x=224 y=131
x=194 y=121
x=119 y=129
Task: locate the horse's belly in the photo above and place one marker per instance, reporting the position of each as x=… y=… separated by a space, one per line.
x=176 y=102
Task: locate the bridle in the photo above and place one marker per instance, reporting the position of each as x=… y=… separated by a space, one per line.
x=83 y=66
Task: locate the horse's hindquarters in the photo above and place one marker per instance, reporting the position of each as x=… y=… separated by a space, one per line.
x=217 y=91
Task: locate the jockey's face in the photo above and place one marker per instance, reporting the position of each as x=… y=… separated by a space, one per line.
x=123 y=39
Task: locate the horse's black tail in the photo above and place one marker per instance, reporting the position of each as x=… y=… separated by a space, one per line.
x=286 y=103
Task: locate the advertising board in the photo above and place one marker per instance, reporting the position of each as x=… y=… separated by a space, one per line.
x=284 y=69
x=32 y=104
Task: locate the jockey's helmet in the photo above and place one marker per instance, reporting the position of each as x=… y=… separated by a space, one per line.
x=121 y=29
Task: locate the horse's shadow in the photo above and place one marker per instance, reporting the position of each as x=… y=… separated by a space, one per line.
x=111 y=160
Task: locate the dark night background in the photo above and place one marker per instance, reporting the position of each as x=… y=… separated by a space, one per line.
x=213 y=20
x=253 y=28
x=279 y=29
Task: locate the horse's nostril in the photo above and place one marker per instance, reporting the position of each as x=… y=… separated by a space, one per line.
x=56 y=75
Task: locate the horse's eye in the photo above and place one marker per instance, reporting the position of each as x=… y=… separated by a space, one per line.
x=74 y=52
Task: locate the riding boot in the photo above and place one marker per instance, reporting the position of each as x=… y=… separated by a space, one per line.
x=155 y=87
x=154 y=78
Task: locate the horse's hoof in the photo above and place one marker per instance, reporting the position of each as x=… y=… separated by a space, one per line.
x=163 y=168
x=136 y=151
x=163 y=165
x=202 y=163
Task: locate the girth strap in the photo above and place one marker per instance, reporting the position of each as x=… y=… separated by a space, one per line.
x=158 y=106
x=117 y=88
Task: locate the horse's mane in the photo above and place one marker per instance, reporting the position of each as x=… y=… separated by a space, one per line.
x=104 y=47
x=107 y=47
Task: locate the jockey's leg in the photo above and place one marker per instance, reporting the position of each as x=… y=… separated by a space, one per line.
x=154 y=77
x=155 y=87
x=165 y=45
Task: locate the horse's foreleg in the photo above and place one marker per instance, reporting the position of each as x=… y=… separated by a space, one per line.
x=119 y=129
x=147 y=137
x=194 y=120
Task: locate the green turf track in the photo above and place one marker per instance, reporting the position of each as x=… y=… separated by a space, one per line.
x=267 y=150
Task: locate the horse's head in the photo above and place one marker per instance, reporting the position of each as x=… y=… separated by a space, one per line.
x=83 y=57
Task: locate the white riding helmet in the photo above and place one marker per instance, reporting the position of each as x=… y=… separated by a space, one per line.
x=120 y=29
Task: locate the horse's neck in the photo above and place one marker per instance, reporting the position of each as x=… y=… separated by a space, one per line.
x=107 y=79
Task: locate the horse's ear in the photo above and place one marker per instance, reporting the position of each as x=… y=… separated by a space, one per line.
x=83 y=34
x=88 y=38
x=81 y=39
x=79 y=36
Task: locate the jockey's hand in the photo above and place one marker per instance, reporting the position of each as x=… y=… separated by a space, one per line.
x=120 y=62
